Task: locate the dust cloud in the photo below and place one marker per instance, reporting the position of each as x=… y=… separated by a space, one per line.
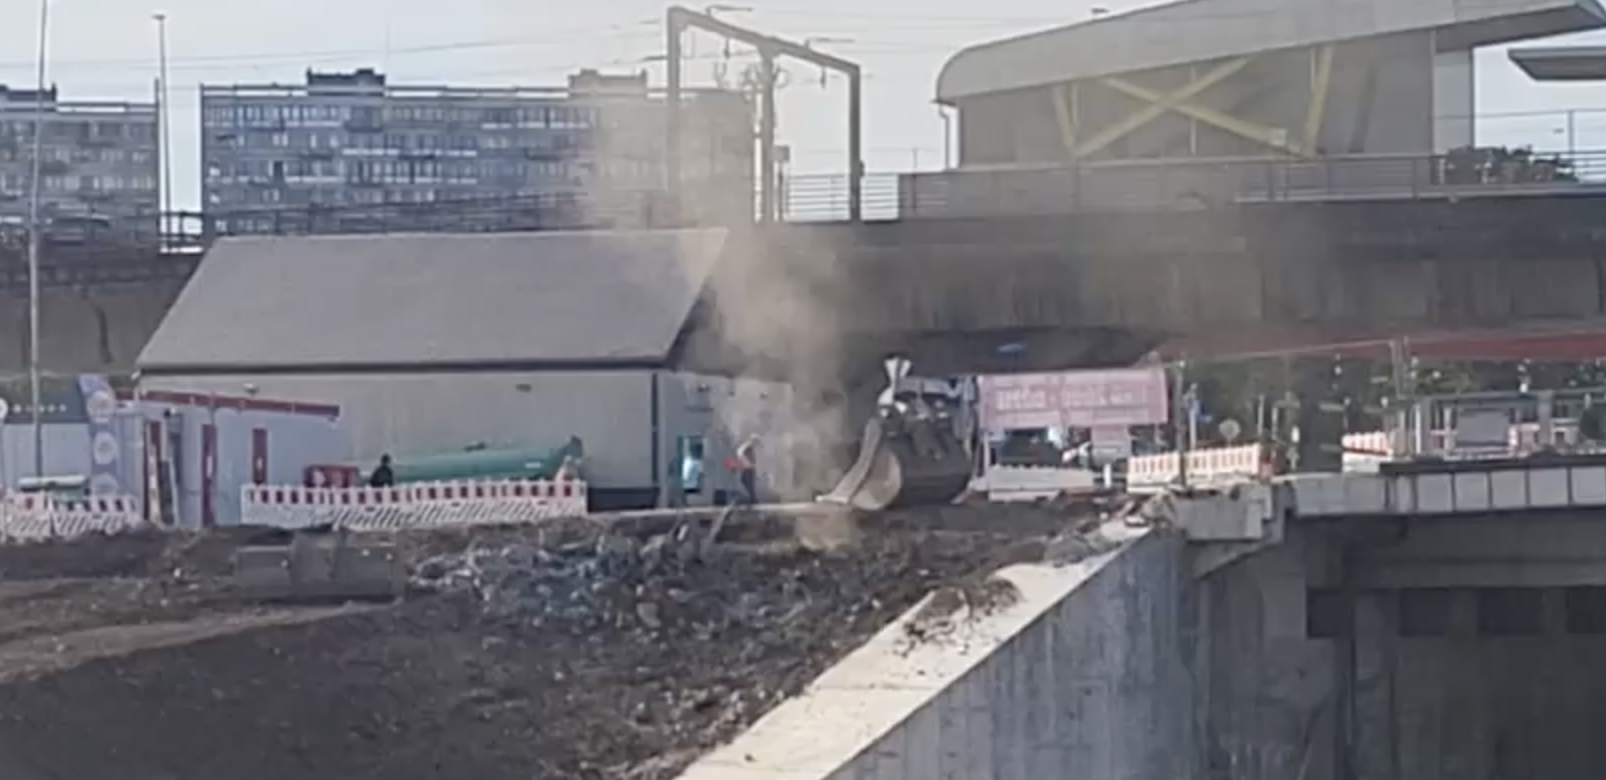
x=774 y=305
x=770 y=293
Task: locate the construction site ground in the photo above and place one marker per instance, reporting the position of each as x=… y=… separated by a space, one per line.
x=579 y=649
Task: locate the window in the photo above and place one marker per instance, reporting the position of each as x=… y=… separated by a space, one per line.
x=1328 y=614
x=1511 y=612
x=1425 y=612
x=1586 y=610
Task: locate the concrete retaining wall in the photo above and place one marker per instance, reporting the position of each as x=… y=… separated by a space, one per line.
x=100 y=330
x=1083 y=677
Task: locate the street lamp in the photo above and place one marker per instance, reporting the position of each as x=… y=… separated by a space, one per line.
x=35 y=240
x=163 y=126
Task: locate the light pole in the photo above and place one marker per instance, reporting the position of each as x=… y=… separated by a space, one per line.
x=163 y=125
x=35 y=240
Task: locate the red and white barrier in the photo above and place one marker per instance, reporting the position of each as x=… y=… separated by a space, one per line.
x=34 y=517
x=421 y=505
x=1206 y=468
x=1365 y=451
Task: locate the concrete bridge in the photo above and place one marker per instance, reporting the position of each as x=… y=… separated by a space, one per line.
x=1070 y=290
x=1103 y=289
x=1277 y=631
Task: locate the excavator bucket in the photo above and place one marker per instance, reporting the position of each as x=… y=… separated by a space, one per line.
x=904 y=461
x=911 y=453
x=320 y=567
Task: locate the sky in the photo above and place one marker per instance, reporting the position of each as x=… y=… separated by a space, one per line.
x=107 y=50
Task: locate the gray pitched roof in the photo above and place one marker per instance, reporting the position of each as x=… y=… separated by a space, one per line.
x=417 y=300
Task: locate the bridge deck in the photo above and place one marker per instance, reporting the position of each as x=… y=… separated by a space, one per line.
x=1086 y=289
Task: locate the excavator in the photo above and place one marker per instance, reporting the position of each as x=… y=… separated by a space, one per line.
x=914 y=451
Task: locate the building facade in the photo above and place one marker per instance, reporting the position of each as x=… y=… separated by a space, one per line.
x=100 y=159
x=1189 y=104
x=347 y=150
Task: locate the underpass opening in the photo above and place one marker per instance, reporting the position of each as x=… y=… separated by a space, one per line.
x=1460 y=648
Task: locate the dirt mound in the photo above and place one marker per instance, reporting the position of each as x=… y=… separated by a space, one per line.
x=566 y=653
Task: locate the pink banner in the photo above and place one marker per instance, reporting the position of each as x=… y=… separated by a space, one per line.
x=1076 y=399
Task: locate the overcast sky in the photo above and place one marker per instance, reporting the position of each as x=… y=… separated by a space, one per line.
x=106 y=49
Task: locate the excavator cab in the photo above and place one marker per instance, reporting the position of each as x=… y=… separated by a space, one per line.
x=912 y=453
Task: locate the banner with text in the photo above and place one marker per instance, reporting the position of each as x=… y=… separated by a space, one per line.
x=1076 y=399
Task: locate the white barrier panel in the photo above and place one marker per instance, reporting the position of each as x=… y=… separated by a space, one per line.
x=1206 y=468
x=32 y=517
x=1035 y=483
x=422 y=505
x=1366 y=451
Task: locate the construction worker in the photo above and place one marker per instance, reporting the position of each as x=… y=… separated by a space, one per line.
x=747 y=469
x=382 y=476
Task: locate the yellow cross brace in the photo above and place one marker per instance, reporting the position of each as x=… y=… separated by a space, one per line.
x=1158 y=104
x=1065 y=117
x=1321 y=81
x=1258 y=133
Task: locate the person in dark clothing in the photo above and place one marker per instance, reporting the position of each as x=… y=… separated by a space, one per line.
x=382 y=476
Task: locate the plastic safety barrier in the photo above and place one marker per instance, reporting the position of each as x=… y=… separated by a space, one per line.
x=33 y=517
x=421 y=505
x=1206 y=468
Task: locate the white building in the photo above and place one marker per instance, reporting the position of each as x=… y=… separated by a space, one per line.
x=434 y=343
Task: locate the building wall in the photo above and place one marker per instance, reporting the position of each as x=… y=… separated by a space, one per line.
x=294 y=441
x=591 y=153
x=724 y=412
x=1096 y=687
x=611 y=412
x=99 y=158
x=404 y=414
x=96 y=330
x=1379 y=101
x=1454 y=100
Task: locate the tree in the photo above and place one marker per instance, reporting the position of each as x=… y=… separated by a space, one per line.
x=1472 y=165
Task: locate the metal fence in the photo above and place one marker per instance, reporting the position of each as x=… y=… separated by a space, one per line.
x=966 y=192
x=1191 y=184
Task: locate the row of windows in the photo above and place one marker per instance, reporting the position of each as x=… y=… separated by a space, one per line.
x=443 y=170
x=342 y=196
x=78 y=155
x=82 y=130
x=297 y=115
x=425 y=143
x=399 y=142
x=17 y=183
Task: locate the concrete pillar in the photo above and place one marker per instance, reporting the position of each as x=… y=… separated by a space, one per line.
x=1453 y=101
x=1375 y=752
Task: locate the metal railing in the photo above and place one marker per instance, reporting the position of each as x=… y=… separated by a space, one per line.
x=1159 y=185
x=1194 y=184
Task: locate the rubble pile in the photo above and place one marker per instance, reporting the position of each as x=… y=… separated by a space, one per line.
x=585 y=654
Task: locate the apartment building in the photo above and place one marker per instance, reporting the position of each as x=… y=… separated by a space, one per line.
x=346 y=149
x=98 y=159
